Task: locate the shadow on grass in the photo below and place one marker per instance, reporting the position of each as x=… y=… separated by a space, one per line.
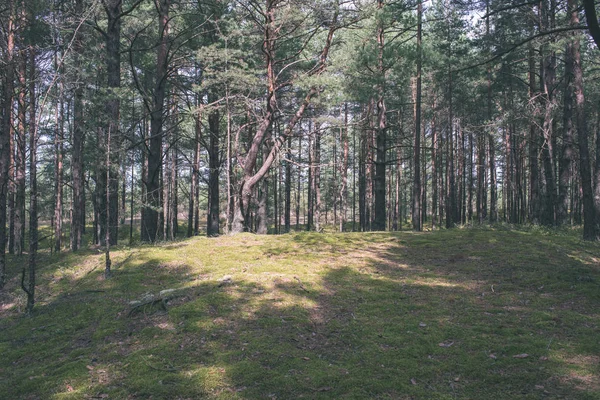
x=439 y=315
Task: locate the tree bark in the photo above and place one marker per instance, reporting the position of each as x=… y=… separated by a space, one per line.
x=592 y=20
x=150 y=223
x=33 y=192
x=379 y=184
x=567 y=151
x=344 y=173
x=5 y=132
x=58 y=172
x=212 y=223
x=534 y=193
x=317 y=177
x=20 y=158
x=78 y=139
x=590 y=227
x=416 y=195
x=288 y=187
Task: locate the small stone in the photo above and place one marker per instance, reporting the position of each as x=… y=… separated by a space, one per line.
x=147 y=297
x=165 y=293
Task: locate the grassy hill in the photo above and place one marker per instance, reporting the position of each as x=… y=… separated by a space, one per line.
x=471 y=313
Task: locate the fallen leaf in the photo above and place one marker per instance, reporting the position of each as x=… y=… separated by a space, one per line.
x=493 y=356
x=89 y=367
x=543 y=358
x=539 y=387
x=70 y=388
x=422 y=324
x=324 y=389
x=446 y=344
x=523 y=355
x=305 y=358
x=413 y=381
x=457 y=379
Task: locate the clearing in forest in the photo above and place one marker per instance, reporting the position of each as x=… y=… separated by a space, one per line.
x=470 y=313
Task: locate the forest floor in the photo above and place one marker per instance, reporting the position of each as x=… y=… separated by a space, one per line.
x=465 y=313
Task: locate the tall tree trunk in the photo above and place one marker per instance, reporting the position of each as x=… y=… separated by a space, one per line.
x=212 y=223
x=262 y=212
x=491 y=142
x=416 y=196
x=534 y=193
x=288 y=187
x=150 y=224
x=192 y=228
x=590 y=228
x=311 y=177
x=597 y=164
x=111 y=124
x=567 y=151
x=547 y=82
x=29 y=288
x=344 y=173
x=77 y=145
x=317 y=177
x=451 y=187
x=20 y=158
x=5 y=132
x=58 y=169
x=379 y=185
x=471 y=179
x=299 y=189
x=434 y=168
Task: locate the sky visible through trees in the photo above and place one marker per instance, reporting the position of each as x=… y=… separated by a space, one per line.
x=127 y=120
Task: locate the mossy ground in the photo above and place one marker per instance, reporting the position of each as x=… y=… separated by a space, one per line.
x=357 y=315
